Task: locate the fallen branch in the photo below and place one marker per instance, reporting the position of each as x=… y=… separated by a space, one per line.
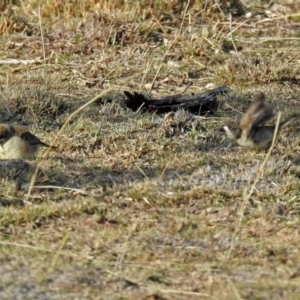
x=198 y=104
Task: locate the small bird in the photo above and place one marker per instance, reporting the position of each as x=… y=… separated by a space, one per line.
x=251 y=132
x=16 y=143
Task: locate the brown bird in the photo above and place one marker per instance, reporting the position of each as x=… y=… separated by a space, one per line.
x=251 y=132
x=16 y=143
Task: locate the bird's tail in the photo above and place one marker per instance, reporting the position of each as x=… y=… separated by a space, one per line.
x=288 y=121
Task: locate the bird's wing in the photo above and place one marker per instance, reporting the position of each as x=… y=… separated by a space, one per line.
x=257 y=114
x=264 y=115
x=288 y=121
x=32 y=139
x=252 y=113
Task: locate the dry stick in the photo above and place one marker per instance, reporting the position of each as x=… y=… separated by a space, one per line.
x=190 y=22
x=235 y=28
x=42 y=34
x=58 y=252
x=277 y=18
x=157 y=22
x=39 y=249
x=33 y=177
x=203 y=12
x=180 y=29
x=180 y=292
x=186 y=88
x=6 y=92
x=61 y=187
x=231 y=37
x=146 y=71
x=171 y=44
x=234 y=289
x=230 y=33
x=247 y=197
x=153 y=81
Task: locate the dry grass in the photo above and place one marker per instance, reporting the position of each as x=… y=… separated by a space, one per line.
x=132 y=206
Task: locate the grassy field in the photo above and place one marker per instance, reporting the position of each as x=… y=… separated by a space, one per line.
x=132 y=206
